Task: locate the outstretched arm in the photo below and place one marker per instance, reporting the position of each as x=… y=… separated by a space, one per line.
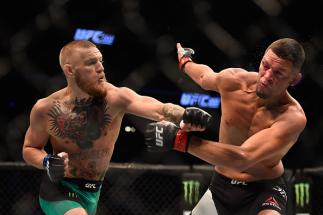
x=228 y=79
x=201 y=74
x=150 y=108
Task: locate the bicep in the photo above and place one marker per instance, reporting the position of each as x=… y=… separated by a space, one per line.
x=35 y=138
x=224 y=80
x=36 y=134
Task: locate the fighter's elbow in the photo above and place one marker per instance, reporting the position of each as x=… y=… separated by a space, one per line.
x=204 y=78
x=25 y=154
x=241 y=161
x=202 y=84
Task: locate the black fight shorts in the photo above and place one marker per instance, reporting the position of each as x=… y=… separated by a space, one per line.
x=232 y=197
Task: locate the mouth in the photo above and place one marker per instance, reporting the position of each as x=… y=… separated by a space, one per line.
x=263 y=84
x=102 y=78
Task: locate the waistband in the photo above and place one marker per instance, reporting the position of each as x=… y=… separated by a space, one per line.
x=86 y=185
x=279 y=180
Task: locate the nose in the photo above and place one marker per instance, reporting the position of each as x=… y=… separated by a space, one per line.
x=269 y=75
x=100 y=67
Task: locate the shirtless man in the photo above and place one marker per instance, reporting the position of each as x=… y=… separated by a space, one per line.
x=260 y=122
x=82 y=122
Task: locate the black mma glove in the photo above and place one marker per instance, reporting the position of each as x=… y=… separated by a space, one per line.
x=185 y=57
x=165 y=136
x=54 y=166
x=197 y=117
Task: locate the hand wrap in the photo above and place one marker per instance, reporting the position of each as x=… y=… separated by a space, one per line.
x=185 y=56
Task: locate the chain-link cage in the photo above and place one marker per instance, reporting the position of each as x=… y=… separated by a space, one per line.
x=127 y=189
x=132 y=189
x=19 y=186
x=141 y=192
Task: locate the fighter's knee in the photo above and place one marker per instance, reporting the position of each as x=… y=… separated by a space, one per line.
x=269 y=212
x=76 y=211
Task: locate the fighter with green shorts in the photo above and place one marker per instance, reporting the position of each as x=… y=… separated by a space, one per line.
x=58 y=198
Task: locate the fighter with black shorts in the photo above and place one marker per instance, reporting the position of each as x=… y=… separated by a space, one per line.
x=228 y=196
x=260 y=122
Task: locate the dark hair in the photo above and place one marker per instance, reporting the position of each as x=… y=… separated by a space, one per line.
x=289 y=49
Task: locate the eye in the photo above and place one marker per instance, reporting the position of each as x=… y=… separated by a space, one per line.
x=278 y=74
x=265 y=65
x=91 y=62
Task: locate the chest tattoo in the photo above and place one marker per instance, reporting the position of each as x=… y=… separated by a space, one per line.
x=83 y=122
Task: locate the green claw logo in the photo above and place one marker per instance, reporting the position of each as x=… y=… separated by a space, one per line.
x=191 y=191
x=302 y=194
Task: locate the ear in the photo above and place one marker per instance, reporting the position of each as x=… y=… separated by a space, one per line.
x=67 y=68
x=296 y=79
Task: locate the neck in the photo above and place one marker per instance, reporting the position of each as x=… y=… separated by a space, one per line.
x=76 y=92
x=275 y=101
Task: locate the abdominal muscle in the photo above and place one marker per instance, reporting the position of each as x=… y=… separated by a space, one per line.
x=89 y=164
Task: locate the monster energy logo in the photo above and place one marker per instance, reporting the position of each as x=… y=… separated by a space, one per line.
x=302 y=194
x=72 y=195
x=191 y=191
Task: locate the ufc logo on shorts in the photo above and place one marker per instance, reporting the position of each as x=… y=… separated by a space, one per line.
x=90 y=186
x=159 y=138
x=233 y=181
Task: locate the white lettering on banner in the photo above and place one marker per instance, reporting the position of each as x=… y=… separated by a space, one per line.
x=201 y=100
x=98 y=37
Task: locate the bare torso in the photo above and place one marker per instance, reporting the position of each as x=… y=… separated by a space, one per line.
x=85 y=129
x=243 y=115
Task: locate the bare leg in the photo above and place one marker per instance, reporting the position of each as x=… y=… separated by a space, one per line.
x=76 y=211
x=268 y=212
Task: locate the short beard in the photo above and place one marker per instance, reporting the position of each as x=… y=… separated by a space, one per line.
x=262 y=95
x=96 y=91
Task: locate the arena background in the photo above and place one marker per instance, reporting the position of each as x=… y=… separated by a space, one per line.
x=142 y=55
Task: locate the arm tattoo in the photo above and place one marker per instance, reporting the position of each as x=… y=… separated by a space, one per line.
x=173 y=112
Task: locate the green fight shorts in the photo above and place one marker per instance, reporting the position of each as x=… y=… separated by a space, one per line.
x=57 y=199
